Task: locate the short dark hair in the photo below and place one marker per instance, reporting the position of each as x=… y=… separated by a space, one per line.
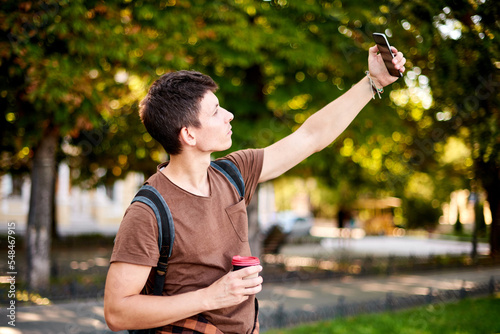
x=173 y=102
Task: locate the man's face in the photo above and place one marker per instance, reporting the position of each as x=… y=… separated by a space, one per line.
x=215 y=131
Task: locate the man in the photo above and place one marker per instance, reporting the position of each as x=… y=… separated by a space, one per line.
x=182 y=112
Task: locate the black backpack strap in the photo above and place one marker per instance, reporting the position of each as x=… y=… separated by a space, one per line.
x=166 y=231
x=229 y=169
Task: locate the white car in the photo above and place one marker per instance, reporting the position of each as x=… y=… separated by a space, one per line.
x=292 y=224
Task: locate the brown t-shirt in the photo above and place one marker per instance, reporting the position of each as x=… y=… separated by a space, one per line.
x=209 y=231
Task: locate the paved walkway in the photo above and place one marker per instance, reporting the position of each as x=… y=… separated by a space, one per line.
x=385 y=246
x=87 y=317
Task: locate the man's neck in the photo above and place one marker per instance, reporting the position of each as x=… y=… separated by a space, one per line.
x=189 y=173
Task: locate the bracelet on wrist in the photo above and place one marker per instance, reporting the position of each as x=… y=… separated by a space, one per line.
x=374 y=88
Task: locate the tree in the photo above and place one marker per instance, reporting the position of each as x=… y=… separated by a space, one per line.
x=455 y=46
x=73 y=73
x=70 y=70
x=59 y=67
x=285 y=60
x=450 y=93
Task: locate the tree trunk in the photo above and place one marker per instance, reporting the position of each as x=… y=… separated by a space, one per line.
x=38 y=234
x=490 y=179
x=494 y=200
x=53 y=219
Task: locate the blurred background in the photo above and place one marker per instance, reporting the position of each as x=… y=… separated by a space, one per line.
x=422 y=162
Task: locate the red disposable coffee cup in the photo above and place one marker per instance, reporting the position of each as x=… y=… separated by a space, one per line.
x=240 y=262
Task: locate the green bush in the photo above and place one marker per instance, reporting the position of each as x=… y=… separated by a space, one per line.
x=469 y=316
x=420 y=213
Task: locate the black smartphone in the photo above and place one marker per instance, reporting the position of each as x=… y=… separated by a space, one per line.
x=385 y=51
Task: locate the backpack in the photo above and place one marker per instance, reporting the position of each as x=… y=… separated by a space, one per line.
x=166 y=230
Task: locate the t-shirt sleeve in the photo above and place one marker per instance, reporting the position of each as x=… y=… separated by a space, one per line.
x=249 y=162
x=137 y=238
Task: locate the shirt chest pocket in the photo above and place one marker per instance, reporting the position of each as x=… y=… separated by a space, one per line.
x=237 y=214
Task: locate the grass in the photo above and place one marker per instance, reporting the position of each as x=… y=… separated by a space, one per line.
x=468 y=316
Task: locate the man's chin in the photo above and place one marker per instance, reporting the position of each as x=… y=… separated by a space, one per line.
x=224 y=148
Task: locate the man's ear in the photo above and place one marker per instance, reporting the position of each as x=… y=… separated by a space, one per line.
x=187 y=137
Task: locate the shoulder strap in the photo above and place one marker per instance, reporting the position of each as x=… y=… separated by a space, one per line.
x=166 y=230
x=229 y=169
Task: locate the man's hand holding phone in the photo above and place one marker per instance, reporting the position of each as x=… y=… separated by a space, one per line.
x=385 y=63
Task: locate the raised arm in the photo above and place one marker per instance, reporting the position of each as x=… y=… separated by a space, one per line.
x=324 y=126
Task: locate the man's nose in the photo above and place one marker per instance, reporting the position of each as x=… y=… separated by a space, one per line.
x=230 y=116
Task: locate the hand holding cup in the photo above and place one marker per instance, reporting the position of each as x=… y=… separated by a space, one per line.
x=240 y=262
